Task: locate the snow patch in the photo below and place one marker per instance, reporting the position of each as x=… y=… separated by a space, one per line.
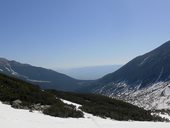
x=164 y=116
x=38 y=81
x=71 y=103
x=167 y=91
x=7 y=69
x=161 y=72
x=144 y=60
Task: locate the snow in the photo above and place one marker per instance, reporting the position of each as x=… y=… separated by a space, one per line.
x=14 y=118
x=7 y=69
x=144 y=60
x=164 y=116
x=38 y=81
x=71 y=103
x=156 y=96
x=167 y=91
x=161 y=73
x=13 y=72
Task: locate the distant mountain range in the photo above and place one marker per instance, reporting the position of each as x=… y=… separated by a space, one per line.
x=144 y=81
x=90 y=73
x=45 y=78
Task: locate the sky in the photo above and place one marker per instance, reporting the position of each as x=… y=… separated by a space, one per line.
x=77 y=33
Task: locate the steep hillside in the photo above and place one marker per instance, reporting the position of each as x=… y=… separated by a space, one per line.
x=22 y=95
x=138 y=76
x=144 y=70
x=45 y=78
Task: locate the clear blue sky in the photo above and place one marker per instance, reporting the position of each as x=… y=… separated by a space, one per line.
x=76 y=33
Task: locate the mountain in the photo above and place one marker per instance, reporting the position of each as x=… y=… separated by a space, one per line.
x=45 y=78
x=90 y=73
x=22 y=95
x=145 y=78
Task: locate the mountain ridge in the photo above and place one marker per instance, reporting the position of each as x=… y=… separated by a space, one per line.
x=150 y=71
x=151 y=58
x=45 y=78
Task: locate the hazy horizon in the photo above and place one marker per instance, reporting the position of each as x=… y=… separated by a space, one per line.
x=71 y=34
x=90 y=72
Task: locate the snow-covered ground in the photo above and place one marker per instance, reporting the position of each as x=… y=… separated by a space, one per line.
x=164 y=116
x=14 y=118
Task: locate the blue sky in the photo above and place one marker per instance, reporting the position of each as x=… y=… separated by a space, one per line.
x=76 y=33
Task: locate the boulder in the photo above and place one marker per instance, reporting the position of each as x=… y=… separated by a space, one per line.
x=17 y=104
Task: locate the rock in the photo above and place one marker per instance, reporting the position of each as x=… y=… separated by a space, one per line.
x=17 y=104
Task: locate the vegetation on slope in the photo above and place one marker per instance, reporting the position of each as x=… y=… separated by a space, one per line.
x=12 y=89
x=106 y=107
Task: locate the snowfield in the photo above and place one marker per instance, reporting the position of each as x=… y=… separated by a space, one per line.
x=14 y=118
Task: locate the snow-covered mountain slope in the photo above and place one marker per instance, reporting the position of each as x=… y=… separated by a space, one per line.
x=14 y=118
x=156 y=96
x=6 y=67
